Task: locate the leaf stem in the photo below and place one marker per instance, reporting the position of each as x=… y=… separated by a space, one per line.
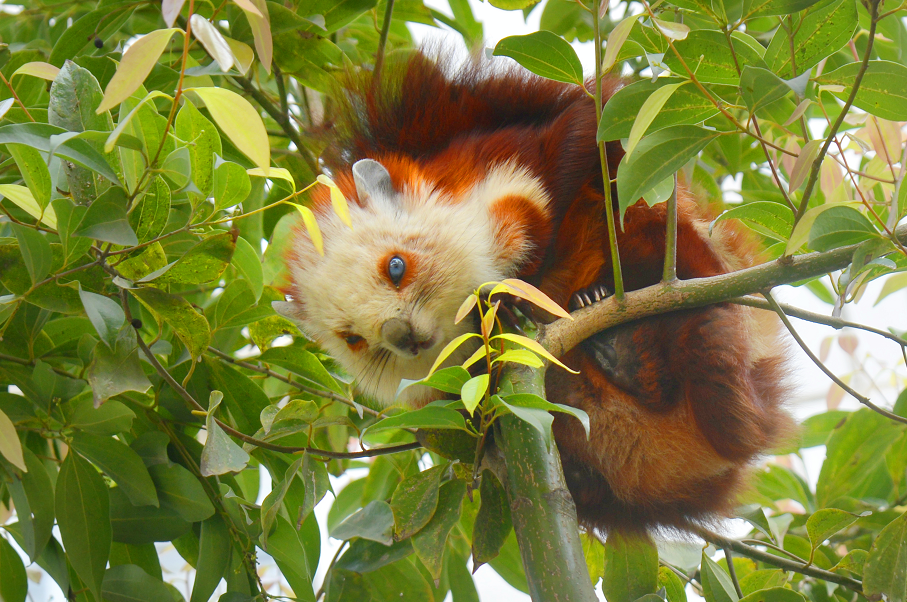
x=382 y=43
x=603 y=155
x=670 y=269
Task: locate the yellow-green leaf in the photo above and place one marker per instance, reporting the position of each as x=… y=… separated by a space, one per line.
x=22 y=198
x=37 y=69
x=450 y=348
x=274 y=172
x=240 y=122
x=526 y=291
x=311 y=224
x=10 y=446
x=212 y=40
x=137 y=63
x=800 y=234
x=338 y=201
x=533 y=346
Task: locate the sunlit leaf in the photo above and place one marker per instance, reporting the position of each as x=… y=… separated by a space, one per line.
x=239 y=121
x=544 y=54
x=136 y=64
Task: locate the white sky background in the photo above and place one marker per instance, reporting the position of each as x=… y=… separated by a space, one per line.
x=880 y=358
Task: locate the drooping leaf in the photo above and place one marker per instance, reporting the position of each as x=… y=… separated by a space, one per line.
x=106 y=219
x=35 y=250
x=429 y=417
x=33 y=495
x=213 y=558
x=179 y=490
x=883 y=91
x=34 y=171
x=105 y=314
x=885 y=571
x=374 y=522
x=631 y=567
x=220 y=454
x=121 y=464
x=149 y=217
x=231 y=185
x=414 y=501
x=247 y=261
x=114 y=370
x=130 y=583
x=83 y=516
x=13 y=580
x=290 y=555
x=716 y=583
x=22 y=197
x=143 y=524
x=431 y=541
x=493 y=523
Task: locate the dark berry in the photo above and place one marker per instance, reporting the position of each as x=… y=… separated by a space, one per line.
x=98 y=43
x=136 y=323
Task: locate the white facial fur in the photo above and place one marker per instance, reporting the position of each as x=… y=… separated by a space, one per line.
x=453 y=246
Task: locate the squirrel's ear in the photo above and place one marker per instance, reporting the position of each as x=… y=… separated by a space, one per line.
x=291 y=310
x=372 y=180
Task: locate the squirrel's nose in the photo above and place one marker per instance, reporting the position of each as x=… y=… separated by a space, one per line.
x=398 y=333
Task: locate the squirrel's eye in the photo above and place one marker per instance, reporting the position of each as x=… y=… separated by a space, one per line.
x=352 y=339
x=396 y=267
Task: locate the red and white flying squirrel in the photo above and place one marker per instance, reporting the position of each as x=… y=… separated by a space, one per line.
x=458 y=178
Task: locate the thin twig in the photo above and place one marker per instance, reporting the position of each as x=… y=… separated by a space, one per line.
x=187 y=397
x=319 y=392
x=817 y=162
x=802 y=314
x=861 y=398
x=732 y=571
x=16 y=97
x=783 y=563
x=670 y=269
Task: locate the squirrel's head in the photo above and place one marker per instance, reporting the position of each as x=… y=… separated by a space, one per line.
x=383 y=297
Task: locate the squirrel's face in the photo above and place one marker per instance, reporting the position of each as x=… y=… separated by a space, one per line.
x=383 y=297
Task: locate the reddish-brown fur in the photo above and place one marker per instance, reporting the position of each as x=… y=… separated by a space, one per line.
x=671 y=444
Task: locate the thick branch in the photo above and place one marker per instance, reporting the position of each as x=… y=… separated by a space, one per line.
x=563 y=335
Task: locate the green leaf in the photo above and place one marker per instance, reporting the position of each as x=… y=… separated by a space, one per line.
x=364 y=556
x=213 y=558
x=529 y=400
x=179 y=490
x=135 y=65
x=231 y=185
x=448 y=380
x=189 y=326
x=774 y=594
x=110 y=419
x=149 y=216
x=883 y=91
x=493 y=523
x=853 y=453
x=247 y=261
x=177 y=168
x=204 y=140
x=648 y=111
x=674 y=587
x=33 y=167
x=274 y=501
x=414 y=501
x=707 y=53
x=220 y=454
x=302 y=363
x=116 y=370
x=35 y=250
x=13 y=580
x=239 y=121
x=885 y=571
x=801 y=231
x=538 y=419
x=130 y=583
x=118 y=461
x=144 y=556
x=824 y=523
x=290 y=555
x=202 y=263
x=77 y=150
x=839 y=227
x=631 y=567
x=821 y=33
x=769 y=217
x=244 y=399
x=656 y=157
x=434 y=417
x=473 y=391
x=69 y=216
x=762 y=579
x=544 y=54
x=375 y=522
x=106 y=220
x=755 y=515
x=143 y=524
x=105 y=315
x=236 y=306
x=760 y=87
x=33 y=495
x=716 y=583
x=687 y=105
x=769 y=8
x=83 y=516
x=431 y=541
